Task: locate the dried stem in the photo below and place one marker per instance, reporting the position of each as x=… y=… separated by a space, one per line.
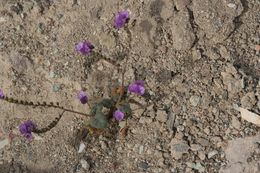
x=50 y=126
x=41 y=104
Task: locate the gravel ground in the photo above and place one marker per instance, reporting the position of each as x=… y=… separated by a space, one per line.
x=200 y=59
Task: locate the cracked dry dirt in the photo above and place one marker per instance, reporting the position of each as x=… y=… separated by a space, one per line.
x=199 y=59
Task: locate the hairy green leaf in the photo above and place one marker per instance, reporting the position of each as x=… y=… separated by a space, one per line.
x=126 y=108
x=108 y=103
x=96 y=108
x=99 y=121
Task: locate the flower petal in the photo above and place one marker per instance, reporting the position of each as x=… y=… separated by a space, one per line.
x=26 y=129
x=119 y=115
x=83 y=97
x=1 y=94
x=137 y=87
x=121 y=19
x=84 y=47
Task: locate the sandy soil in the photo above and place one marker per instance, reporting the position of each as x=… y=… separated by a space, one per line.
x=199 y=58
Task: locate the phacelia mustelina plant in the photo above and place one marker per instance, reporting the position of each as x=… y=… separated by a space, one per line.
x=116 y=107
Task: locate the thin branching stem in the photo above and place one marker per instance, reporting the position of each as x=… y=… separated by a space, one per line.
x=42 y=104
x=51 y=125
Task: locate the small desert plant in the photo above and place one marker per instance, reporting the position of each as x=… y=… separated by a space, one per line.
x=102 y=112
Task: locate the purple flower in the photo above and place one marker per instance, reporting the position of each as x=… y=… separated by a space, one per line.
x=1 y=94
x=121 y=19
x=26 y=129
x=137 y=87
x=84 y=47
x=83 y=97
x=119 y=115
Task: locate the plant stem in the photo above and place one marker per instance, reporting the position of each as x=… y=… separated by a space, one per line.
x=43 y=104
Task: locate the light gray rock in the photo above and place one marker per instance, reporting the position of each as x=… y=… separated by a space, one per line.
x=201 y=155
x=161 y=116
x=194 y=100
x=212 y=153
x=178 y=147
x=85 y=165
x=233 y=84
x=195 y=147
x=181 y=4
x=3 y=143
x=182 y=32
x=248 y=100
x=198 y=166
x=215 y=18
x=235 y=123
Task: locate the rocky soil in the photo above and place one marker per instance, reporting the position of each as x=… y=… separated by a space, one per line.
x=200 y=60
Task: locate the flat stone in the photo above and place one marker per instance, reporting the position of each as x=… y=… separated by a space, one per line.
x=201 y=155
x=212 y=153
x=146 y=120
x=206 y=130
x=3 y=143
x=82 y=147
x=235 y=123
x=103 y=145
x=233 y=84
x=182 y=32
x=237 y=152
x=181 y=4
x=194 y=100
x=248 y=100
x=141 y=149
x=198 y=166
x=20 y=62
x=195 y=147
x=56 y=87
x=203 y=142
x=167 y=11
x=85 y=165
x=177 y=148
x=215 y=18
x=143 y=165
x=161 y=116
x=231 y=5
x=196 y=55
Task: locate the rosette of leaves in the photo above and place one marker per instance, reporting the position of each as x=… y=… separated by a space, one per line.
x=100 y=119
x=103 y=110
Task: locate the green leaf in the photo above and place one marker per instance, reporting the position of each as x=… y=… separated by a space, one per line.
x=108 y=103
x=126 y=108
x=99 y=121
x=96 y=108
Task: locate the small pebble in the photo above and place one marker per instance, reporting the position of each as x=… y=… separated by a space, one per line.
x=212 y=154
x=84 y=164
x=56 y=87
x=3 y=143
x=194 y=100
x=161 y=116
x=143 y=165
x=82 y=146
x=201 y=155
x=231 y=5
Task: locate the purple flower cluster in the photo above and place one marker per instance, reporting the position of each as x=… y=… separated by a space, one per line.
x=82 y=96
x=84 y=47
x=1 y=94
x=121 y=19
x=137 y=87
x=119 y=115
x=26 y=129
